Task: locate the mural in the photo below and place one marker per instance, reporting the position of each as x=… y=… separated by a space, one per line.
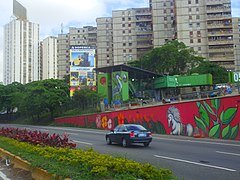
x=178 y=128
x=215 y=118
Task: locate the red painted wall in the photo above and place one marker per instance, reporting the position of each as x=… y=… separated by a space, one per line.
x=217 y=118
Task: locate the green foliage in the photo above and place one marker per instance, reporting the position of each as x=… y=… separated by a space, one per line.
x=172 y=58
x=85 y=98
x=83 y=164
x=219 y=73
x=216 y=121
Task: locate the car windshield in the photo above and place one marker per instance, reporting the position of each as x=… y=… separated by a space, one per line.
x=135 y=128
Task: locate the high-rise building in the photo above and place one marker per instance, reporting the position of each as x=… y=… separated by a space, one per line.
x=85 y=36
x=63 y=55
x=104 y=42
x=204 y=25
x=132 y=34
x=49 y=58
x=236 y=41
x=21 y=48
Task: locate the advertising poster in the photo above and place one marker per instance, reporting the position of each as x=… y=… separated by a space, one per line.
x=82 y=63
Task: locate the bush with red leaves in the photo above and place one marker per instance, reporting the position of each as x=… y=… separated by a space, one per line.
x=37 y=137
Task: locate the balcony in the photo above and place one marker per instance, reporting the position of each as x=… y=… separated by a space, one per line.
x=220 y=42
x=220 y=33
x=216 y=2
x=218 y=9
x=228 y=50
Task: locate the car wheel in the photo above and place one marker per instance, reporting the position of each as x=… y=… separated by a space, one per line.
x=124 y=142
x=108 y=140
x=146 y=144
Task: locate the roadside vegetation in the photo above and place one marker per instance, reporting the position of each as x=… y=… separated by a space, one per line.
x=83 y=164
x=41 y=101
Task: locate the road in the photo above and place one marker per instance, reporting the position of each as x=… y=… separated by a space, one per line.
x=189 y=158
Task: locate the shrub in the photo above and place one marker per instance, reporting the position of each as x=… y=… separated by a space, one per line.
x=83 y=164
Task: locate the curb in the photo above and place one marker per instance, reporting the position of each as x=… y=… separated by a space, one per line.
x=37 y=173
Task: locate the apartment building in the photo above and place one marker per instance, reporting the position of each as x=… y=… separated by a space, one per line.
x=63 y=55
x=86 y=35
x=236 y=41
x=104 y=42
x=204 y=25
x=21 y=48
x=49 y=58
x=132 y=34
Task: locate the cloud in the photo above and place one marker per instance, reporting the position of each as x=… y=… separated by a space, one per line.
x=50 y=14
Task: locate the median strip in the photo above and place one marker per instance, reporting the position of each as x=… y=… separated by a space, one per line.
x=195 y=163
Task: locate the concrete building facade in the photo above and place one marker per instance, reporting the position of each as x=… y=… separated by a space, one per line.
x=86 y=35
x=21 y=51
x=204 y=25
x=49 y=58
x=104 y=42
x=132 y=34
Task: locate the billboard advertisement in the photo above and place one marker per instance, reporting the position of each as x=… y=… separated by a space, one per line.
x=82 y=63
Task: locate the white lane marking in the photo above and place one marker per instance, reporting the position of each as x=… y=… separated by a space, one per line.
x=199 y=164
x=3 y=176
x=81 y=142
x=72 y=133
x=79 y=130
x=201 y=142
x=234 y=154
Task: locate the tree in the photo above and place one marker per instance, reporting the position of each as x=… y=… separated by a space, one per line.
x=11 y=96
x=46 y=96
x=219 y=73
x=85 y=97
x=173 y=58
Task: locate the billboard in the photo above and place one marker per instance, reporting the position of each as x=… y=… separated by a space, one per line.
x=82 y=63
x=19 y=11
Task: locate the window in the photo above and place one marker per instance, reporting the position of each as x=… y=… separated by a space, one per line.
x=199 y=40
x=190 y=17
x=190 y=33
x=189 y=9
x=123 y=31
x=129 y=18
x=130 y=44
x=130 y=50
x=129 y=31
x=124 y=44
x=199 y=33
x=123 y=19
x=197 y=9
x=189 y=2
x=165 y=18
x=197 y=17
x=129 y=25
x=191 y=40
x=164 y=11
x=123 y=25
x=196 y=2
x=124 y=51
x=199 y=48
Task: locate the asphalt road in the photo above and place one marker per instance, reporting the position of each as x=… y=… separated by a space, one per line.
x=189 y=158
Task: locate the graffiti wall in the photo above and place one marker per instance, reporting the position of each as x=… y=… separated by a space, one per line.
x=216 y=118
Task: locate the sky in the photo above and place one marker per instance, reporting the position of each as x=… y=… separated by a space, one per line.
x=50 y=14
